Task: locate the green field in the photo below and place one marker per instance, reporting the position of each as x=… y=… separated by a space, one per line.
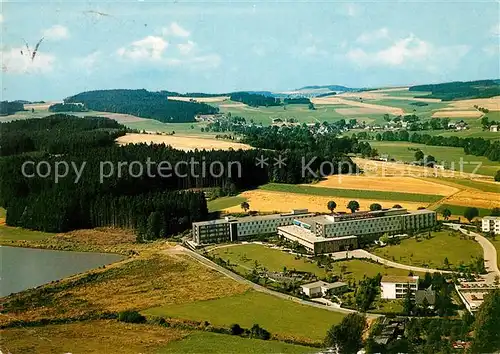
x=8 y=233
x=482 y=186
x=459 y=210
x=224 y=202
x=431 y=253
x=278 y=316
x=351 y=193
x=207 y=342
x=449 y=155
x=244 y=257
x=178 y=128
x=3 y=213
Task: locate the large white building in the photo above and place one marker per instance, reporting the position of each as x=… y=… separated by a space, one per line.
x=339 y=232
x=238 y=229
x=491 y=224
x=396 y=287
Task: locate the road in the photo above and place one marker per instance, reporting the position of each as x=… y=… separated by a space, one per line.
x=360 y=254
x=208 y=263
x=489 y=251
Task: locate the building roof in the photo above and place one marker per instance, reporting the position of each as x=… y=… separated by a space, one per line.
x=295 y=212
x=491 y=218
x=399 y=279
x=427 y=294
x=316 y=284
x=337 y=284
x=310 y=236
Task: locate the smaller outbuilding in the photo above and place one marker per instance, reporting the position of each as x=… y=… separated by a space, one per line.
x=321 y=288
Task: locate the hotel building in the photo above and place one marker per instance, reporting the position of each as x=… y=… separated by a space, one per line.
x=491 y=224
x=396 y=287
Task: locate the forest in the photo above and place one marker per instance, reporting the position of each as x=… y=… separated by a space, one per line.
x=7 y=107
x=254 y=99
x=298 y=100
x=154 y=204
x=459 y=90
x=67 y=107
x=142 y=103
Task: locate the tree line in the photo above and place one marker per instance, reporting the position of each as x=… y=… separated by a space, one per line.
x=142 y=103
x=254 y=99
x=459 y=90
x=67 y=107
x=7 y=108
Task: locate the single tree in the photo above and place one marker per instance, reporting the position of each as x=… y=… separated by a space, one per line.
x=419 y=155
x=331 y=206
x=446 y=263
x=446 y=213
x=497 y=176
x=471 y=213
x=397 y=206
x=347 y=336
x=495 y=212
x=353 y=206
x=375 y=206
x=245 y=206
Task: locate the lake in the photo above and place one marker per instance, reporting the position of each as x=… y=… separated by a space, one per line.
x=24 y=268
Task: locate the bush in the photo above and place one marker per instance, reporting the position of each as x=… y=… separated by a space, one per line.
x=235 y=329
x=131 y=317
x=259 y=332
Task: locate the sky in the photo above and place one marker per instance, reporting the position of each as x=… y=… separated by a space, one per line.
x=222 y=46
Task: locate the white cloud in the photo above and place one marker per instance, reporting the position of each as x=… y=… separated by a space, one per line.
x=1 y=18
x=352 y=10
x=150 y=48
x=368 y=37
x=17 y=61
x=495 y=30
x=314 y=51
x=56 y=33
x=88 y=62
x=186 y=48
x=409 y=51
x=492 y=49
x=174 y=29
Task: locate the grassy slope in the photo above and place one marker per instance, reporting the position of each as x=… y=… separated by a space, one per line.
x=458 y=210
x=206 y=342
x=224 y=202
x=431 y=253
x=449 y=155
x=467 y=183
x=278 y=316
x=351 y=193
x=244 y=257
x=17 y=233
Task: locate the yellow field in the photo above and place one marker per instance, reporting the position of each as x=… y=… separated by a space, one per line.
x=478 y=199
x=89 y=337
x=493 y=103
x=385 y=94
x=181 y=142
x=268 y=201
x=375 y=107
x=391 y=184
x=457 y=114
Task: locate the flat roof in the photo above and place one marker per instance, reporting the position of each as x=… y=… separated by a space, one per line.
x=399 y=279
x=255 y=217
x=491 y=218
x=315 y=284
x=309 y=236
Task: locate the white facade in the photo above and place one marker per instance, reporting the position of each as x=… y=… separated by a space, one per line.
x=396 y=287
x=491 y=224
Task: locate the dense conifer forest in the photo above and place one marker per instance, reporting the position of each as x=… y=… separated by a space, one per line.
x=142 y=103
x=254 y=99
x=67 y=107
x=459 y=90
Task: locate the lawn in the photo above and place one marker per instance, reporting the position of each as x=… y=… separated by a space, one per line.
x=244 y=257
x=206 y=342
x=8 y=233
x=278 y=316
x=458 y=210
x=224 y=202
x=450 y=156
x=179 y=128
x=351 y=193
x=431 y=253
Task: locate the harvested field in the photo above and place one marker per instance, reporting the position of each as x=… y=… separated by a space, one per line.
x=89 y=337
x=389 y=169
x=356 y=111
x=268 y=201
x=200 y=99
x=119 y=117
x=338 y=100
x=40 y=106
x=385 y=94
x=485 y=200
x=181 y=142
x=233 y=105
x=493 y=103
x=390 y=184
x=457 y=114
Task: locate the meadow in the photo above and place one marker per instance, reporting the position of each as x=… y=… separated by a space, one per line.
x=207 y=343
x=224 y=203
x=491 y=187
x=280 y=317
x=430 y=253
x=243 y=258
x=458 y=210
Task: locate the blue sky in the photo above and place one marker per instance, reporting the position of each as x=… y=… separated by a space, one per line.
x=220 y=46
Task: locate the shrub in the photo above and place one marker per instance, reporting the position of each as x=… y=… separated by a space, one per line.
x=235 y=329
x=131 y=317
